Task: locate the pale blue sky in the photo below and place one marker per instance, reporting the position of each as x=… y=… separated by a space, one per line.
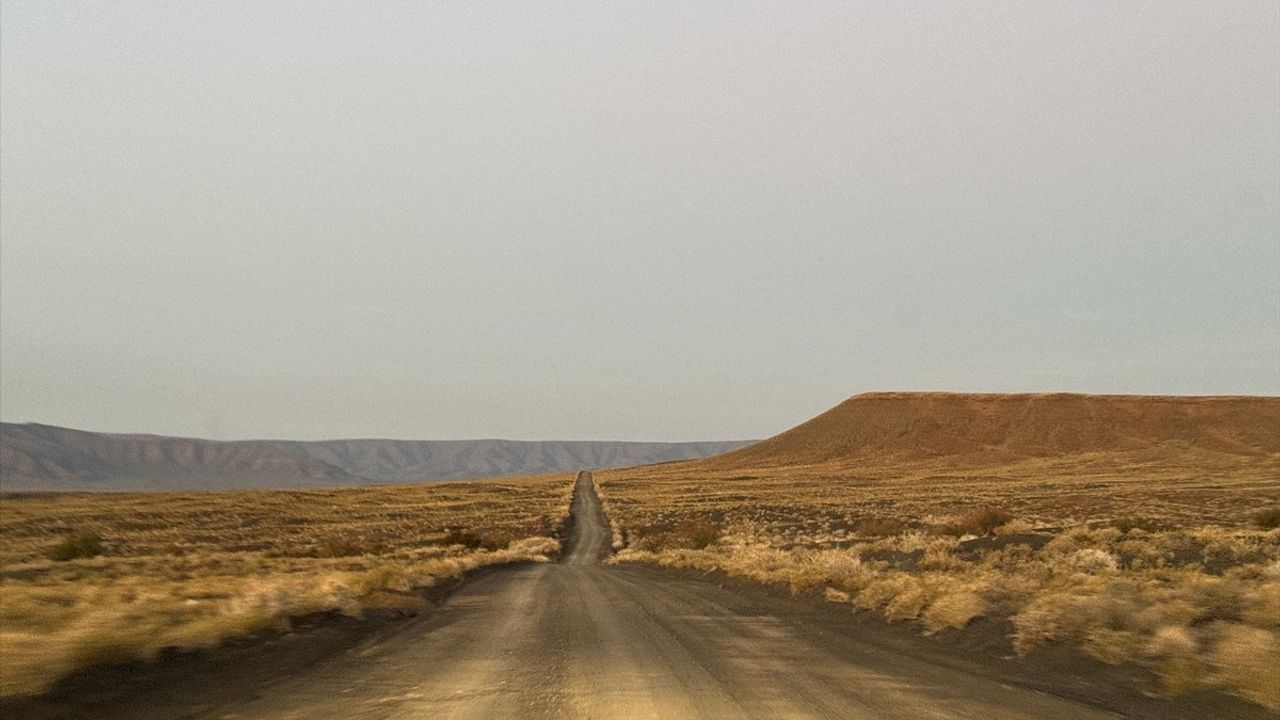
x=668 y=220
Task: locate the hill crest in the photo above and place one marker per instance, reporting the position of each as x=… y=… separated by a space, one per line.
x=908 y=425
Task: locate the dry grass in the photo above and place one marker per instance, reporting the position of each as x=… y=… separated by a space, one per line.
x=1267 y=518
x=77 y=544
x=980 y=521
x=1156 y=556
x=91 y=579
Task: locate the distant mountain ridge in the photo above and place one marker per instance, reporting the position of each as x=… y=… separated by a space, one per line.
x=35 y=457
x=396 y=461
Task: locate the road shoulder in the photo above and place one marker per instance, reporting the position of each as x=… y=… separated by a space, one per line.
x=983 y=650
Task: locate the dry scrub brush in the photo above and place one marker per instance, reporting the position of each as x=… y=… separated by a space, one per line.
x=93 y=579
x=1190 y=589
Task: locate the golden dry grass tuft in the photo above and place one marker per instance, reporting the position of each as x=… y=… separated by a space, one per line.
x=91 y=579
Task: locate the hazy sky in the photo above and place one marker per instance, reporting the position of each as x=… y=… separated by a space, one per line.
x=658 y=220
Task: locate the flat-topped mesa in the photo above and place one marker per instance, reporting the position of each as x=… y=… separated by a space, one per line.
x=925 y=424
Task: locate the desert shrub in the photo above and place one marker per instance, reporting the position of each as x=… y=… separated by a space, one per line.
x=1166 y=616
x=953 y=609
x=1093 y=561
x=1009 y=558
x=475 y=540
x=1172 y=641
x=1267 y=518
x=1263 y=608
x=911 y=541
x=1068 y=614
x=382 y=577
x=77 y=544
x=908 y=603
x=1179 y=674
x=93 y=649
x=814 y=568
x=982 y=521
x=337 y=546
x=940 y=555
x=839 y=566
x=499 y=539
x=1246 y=660
x=836 y=596
x=1112 y=646
x=881 y=527
x=691 y=533
x=465 y=538
x=1016 y=527
x=1128 y=524
x=1214 y=598
x=878 y=592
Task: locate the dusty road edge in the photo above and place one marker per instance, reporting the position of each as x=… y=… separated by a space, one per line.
x=1056 y=671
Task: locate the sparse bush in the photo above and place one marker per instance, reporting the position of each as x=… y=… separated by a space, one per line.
x=93 y=649
x=1166 y=616
x=1016 y=527
x=1264 y=606
x=1056 y=616
x=698 y=534
x=878 y=592
x=78 y=544
x=382 y=577
x=836 y=596
x=1093 y=561
x=1172 y=641
x=475 y=540
x=1179 y=675
x=1112 y=646
x=982 y=521
x=1245 y=660
x=1129 y=524
x=1214 y=598
x=940 y=555
x=497 y=539
x=908 y=603
x=881 y=527
x=336 y=547
x=1267 y=518
x=690 y=533
x=953 y=610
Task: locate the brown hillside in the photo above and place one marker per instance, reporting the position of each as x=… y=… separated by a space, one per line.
x=920 y=425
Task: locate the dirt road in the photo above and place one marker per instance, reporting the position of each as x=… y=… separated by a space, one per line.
x=584 y=640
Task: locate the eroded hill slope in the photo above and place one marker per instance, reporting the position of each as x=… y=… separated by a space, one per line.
x=922 y=425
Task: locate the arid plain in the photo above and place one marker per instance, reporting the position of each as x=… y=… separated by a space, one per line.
x=95 y=579
x=1144 y=531
x=1108 y=554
